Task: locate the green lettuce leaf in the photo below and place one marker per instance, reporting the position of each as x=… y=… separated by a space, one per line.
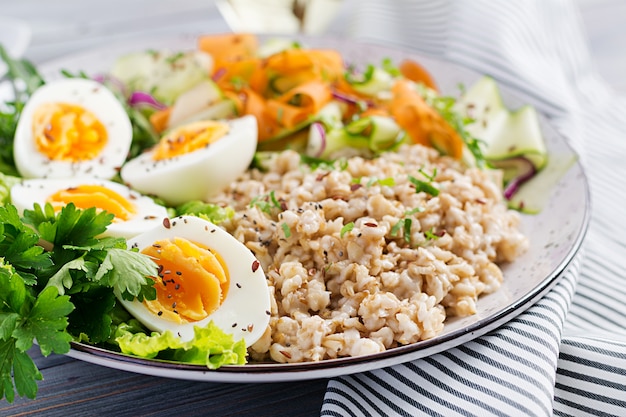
x=210 y=346
x=211 y=212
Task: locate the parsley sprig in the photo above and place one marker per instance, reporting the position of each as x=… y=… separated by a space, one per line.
x=57 y=283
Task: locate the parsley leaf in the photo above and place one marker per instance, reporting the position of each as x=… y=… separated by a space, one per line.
x=46 y=322
x=17 y=366
x=127 y=272
x=18 y=245
x=424 y=186
x=24 y=317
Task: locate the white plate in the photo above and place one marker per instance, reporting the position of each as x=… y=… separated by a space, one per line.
x=556 y=235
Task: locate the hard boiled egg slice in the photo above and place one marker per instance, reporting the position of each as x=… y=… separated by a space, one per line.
x=194 y=161
x=134 y=213
x=72 y=127
x=205 y=274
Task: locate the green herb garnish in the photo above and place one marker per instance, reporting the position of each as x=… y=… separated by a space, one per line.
x=404 y=224
x=56 y=283
x=286 y=230
x=266 y=202
x=347 y=228
x=424 y=186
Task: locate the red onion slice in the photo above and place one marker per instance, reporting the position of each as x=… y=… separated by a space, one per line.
x=338 y=95
x=106 y=78
x=526 y=170
x=317 y=140
x=143 y=98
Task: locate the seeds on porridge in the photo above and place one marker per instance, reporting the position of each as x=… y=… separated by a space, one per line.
x=370 y=254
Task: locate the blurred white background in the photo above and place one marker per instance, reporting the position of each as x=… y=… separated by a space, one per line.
x=66 y=26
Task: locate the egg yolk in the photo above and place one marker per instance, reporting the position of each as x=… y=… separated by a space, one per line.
x=192 y=283
x=87 y=196
x=189 y=138
x=68 y=132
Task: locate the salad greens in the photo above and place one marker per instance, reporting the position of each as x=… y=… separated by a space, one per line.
x=57 y=284
x=58 y=277
x=210 y=346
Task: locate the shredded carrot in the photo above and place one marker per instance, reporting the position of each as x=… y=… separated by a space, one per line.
x=292 y=67
x=160 y=118
x=238 y=100
x=246 y=72
x=415 y=71
x=423 y=124
x=375 y=111
x=256 y=105
x=226 y=48
x=285 y=90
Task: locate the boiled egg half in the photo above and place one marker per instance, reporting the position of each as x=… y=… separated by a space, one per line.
x=204 y=274
x=194 y=161
x=72 y=127
x=134 y=213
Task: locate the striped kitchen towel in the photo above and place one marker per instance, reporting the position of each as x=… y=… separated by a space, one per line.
x=566 y=355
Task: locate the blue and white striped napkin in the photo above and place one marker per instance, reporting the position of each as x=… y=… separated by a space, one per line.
x=566 y=355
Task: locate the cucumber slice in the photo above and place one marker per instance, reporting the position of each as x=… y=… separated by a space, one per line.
x=385 y=133
x=536 y=192
x=506 y=134
x=204 y=94
x=224 y=109
x=331 y=114
x=377 y=83
x=164 y=74
x=263 y=160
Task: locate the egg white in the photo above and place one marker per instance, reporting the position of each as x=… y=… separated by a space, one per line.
x=199 y=174
x=245 y=311
x=91 y=95
x=148 y=214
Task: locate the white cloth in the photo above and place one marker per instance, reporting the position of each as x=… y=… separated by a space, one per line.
x=566 y=355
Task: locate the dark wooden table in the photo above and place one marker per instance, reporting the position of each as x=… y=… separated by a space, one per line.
x=76 y=388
